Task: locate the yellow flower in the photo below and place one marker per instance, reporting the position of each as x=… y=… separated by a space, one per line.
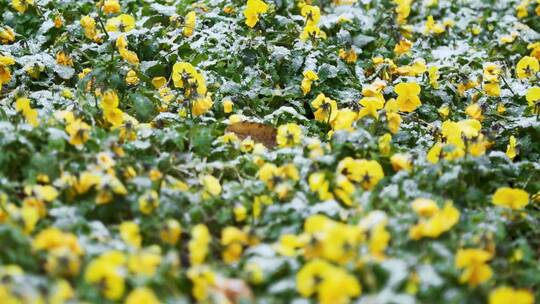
x=145 y=263
x=190 y=23
x=394 y=122
x=288 y=135
x=366 y=172
x=513 y=198
x=332 y=284
x=198 y=245
x=254 y=272
x=62 y=262
x=203 y=280
x=319 y=184
x=21 y=5
x=142 y=295
x=385 y=144
x=402 y=47
x=312 y=32
x=5 y=72
x=58 y=21
x=64 y=59
x=433 y=72
x=253 y=9
x=7 y=35
x=534 y=47
x=211 y=185
x=148 y=202
x=201 y=105
x=114 y=116
x=106 y=271
x=501 y=108
x=326 y=108
x=79 y=132
x=171 y=231
x=505 y=295
x=43 y=192
x=289 y=244
x=86 y=181
x=401 y=161
x=122 y=23
x=492 y=89
x=52 y=239
x=129 y=56
x=527 y=67
x=344 y=120
x=436 y=224
x=511 y=147
x=533 y=98
x=131 y=78
x=474 y=264
x=111 y=7
x=338 y=287
x=240 y=213
x=348 y=55
x=370 y=106
x=408 y=99
x=129 y=232
x=61 y=293
x=185 y=76
x=370 y=173
x=378 y=241
x=443 y=111
x=233 y=239
x=311 y=13
x=89 y=26
x=309 y=77
x=247 y=145
x=22 y=105
x=403 y=10
x=424 y=207
x=491 y=72
x=306 y=281
x=474 y=111
x=227 y=106
x=432 y=27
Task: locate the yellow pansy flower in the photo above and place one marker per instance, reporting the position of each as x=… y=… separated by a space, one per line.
x=311 y=13
x=526 y=67
x=288 y=135
x=533 y=98
x=171 y=231
x=309 y=77
x=122 y=23
x=326 y=108
x=7 y=35
x=148 y=202
x=408 y=99
x=504 y=295
x=201 y=105
x=253 y=9
x=111 y=7
x=474 y=264
x=211 y=185
x=513 y=198
x=511 y=147
x=129 y=232
x=370 y=106
x=21 y=5
x=198 y=245
x=190 y=21
x=142 y=295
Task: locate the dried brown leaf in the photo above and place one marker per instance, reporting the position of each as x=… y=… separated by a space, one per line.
x=259 y=132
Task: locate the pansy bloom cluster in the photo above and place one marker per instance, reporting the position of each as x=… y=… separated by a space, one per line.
x=270 y=151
